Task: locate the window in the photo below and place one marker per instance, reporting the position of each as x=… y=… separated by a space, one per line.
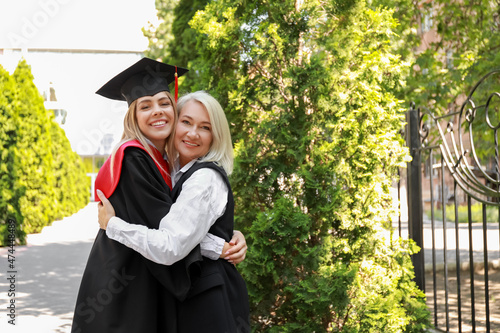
x=427 y=21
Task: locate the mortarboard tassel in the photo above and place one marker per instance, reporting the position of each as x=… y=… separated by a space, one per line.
x=176 y=85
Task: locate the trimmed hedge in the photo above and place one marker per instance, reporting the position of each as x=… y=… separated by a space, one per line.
x=41 y=178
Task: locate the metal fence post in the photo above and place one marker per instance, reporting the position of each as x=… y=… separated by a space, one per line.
x=414 y=194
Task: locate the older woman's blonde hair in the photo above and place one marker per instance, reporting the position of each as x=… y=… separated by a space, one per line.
x=221 y=149
x=131 y=131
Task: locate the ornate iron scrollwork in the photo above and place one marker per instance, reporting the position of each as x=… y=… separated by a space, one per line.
x=463 y=162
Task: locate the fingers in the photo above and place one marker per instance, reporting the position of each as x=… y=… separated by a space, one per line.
x=101 y=196
x=236 y=258
x=238 y=237
x=236 y=254
x=105 y=210
x=234 y=240
x=235 y=248
x=238 y=240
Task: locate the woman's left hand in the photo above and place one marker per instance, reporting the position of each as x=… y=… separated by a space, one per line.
x=238 y=248
x=106 y=210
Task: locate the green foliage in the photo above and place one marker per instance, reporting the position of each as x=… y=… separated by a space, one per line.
x=453 y=45
x=11 y=191
x=174 y=41
x=458 y=47
x=283 y=257
x=72 y=185
x=33 y=146
x=388 y=299
x=161 y=36
x=42 y=179
x=310 y=89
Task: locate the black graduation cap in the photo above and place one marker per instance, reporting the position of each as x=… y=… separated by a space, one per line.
x=146 y=77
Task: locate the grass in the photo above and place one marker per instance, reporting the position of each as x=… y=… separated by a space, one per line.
x=476 y=213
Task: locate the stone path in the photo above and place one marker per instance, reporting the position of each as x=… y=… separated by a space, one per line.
x=48 y=274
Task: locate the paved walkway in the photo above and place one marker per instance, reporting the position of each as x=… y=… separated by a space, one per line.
x=492 y=239
x=48 y=274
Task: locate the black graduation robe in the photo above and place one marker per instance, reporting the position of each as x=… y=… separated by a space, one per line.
x=218 y=300
x=121 y=291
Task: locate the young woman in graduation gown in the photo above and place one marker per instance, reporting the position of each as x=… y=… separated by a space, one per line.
x=121 y=291
x=218 y=301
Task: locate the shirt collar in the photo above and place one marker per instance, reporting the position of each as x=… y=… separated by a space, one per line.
x=179 y=172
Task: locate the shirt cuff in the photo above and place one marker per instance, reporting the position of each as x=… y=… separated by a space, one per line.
x=211 y=246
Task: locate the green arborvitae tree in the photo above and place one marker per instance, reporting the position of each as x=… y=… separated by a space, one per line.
x=71 y=182
x=10 y=190
x=47 y=179
x=35 y=153
x=309 y=88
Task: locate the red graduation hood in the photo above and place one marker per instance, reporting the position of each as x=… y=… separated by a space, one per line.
x=107 y=183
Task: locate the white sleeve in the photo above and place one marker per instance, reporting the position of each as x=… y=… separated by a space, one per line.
x=202 y=201
x=211 y=246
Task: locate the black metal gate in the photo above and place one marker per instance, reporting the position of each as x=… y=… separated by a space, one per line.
x=453 y=195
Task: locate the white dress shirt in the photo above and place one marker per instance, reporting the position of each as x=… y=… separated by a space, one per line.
x=201 y=202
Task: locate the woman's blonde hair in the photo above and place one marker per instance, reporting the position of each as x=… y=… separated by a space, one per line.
x=131 y=131
x=221 y=149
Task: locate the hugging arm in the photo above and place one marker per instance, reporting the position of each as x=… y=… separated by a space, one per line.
x=181 y=229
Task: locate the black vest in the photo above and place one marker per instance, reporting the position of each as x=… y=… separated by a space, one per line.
x=223 y=226
x=218 y=299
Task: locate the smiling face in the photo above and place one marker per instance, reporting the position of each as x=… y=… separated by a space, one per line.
x=155 y=117
x=193 y=133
